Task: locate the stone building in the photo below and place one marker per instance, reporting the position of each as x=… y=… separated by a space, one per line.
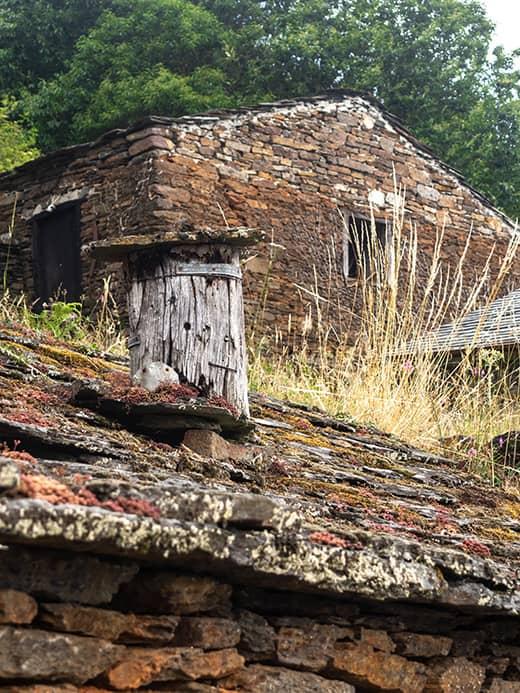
x=309 y=172
x=310 y=555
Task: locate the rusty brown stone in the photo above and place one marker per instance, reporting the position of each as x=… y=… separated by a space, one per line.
x=453 y=675
x=361 y=665
x=108 y=624
x=378 y=639
x=207 y=633
x=170 y=593
x=266 y=679
x=17 y=607
x=418 y=645
x=140 y=666
x=41 y=656
x=210 y=444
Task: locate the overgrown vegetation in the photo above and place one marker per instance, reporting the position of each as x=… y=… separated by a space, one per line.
x=419 y=395
x=78 y=68
x=100 y=330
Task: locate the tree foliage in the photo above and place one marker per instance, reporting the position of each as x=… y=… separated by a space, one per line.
x=96 y=64
x=17 y=144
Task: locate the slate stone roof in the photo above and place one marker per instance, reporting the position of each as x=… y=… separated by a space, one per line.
x=494 y=325
x=302 y=502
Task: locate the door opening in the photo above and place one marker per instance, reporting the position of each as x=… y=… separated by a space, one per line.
x=56 y=256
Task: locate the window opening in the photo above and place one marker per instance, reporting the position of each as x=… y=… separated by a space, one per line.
x=364 y=243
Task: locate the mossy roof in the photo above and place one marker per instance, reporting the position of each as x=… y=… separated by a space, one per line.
x=307 y=502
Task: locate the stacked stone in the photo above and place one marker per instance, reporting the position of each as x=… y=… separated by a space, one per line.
x=74 y=622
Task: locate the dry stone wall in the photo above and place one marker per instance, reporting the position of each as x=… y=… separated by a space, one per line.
x=86 y=623
x=296 y=171
x=109 y=186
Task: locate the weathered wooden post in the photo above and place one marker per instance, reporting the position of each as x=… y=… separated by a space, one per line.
x=185 y=306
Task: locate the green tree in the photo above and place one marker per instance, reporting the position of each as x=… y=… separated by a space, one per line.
x=17 y=144
x=37 y=38
x=426 y=60
x=148 y=56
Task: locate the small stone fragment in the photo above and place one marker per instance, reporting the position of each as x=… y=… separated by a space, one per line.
x=257 y=640
x=210 y=444
x=379 y=639
x=363 y=666
x=164 y=592
x=110 y=625
x=310 y=646
x=141 y=666
x=38 y=655
x=207 y=633
x=17 y=607
x=419 y=645
x=264 y=679
x=455 y=674
x=155 y=375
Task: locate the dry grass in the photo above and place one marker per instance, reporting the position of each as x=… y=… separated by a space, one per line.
x=419 y=396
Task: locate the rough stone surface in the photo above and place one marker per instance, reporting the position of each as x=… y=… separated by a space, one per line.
x=143 y=666
x=422 y=645
x=17 y=607
x=374 y=570
x=72 y=577
x=257 y=637
x=207 y=633
x=108 y=624
x=264 y=679
x=174 y=594
x=454 y=675
x=211 y=444
x=37 y=655
x=364 y=666
x=154 y=375
x=501 y=686
x=378 y=639
x=309 y=646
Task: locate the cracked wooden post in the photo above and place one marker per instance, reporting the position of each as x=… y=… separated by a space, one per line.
x=185 y=306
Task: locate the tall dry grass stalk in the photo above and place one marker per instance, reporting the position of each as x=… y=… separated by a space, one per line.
x=420 y=395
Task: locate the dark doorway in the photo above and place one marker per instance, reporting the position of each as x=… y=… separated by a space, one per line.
x=56 y=254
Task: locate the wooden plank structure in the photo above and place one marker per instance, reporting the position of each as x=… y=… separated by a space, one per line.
x=496 y=325
x=185 y=306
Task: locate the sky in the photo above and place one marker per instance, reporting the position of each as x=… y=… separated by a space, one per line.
x=506 y=15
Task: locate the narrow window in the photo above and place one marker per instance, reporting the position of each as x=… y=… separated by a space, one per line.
x=56 y=256
x=363 y=246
